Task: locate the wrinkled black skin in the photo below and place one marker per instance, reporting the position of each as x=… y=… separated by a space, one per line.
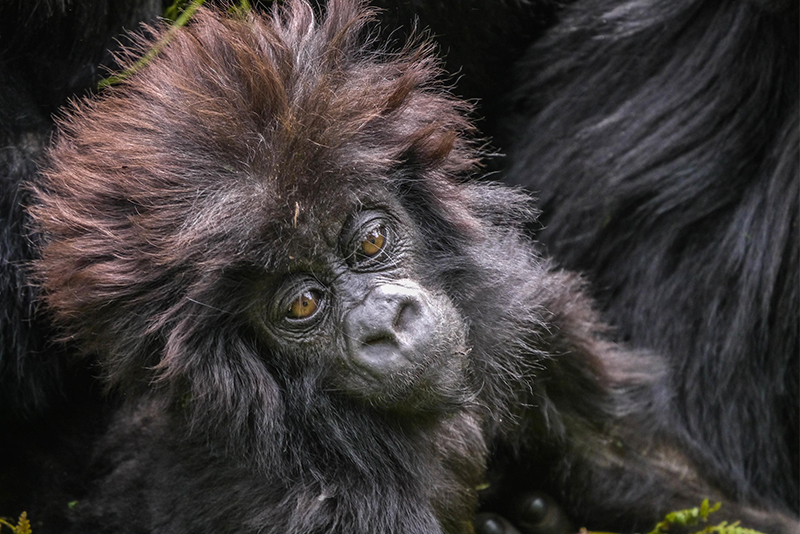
x=662 y=143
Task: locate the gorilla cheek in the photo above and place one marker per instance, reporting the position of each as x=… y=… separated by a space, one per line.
x=402 y=336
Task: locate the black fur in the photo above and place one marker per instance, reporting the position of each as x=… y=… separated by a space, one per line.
x=49 y=51
x=662 y=141
x=179 y=204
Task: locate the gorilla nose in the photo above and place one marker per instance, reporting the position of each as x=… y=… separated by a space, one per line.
x=388 y=330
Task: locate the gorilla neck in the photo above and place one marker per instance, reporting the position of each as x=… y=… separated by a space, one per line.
x=348 y=439
x=343 y=458
x=394 y=464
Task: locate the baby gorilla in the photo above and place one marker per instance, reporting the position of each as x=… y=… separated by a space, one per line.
x=268 y=239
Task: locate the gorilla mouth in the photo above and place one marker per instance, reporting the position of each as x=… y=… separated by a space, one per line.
x=386 y=354
x=390 y=377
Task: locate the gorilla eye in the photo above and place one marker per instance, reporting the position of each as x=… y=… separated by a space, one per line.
x=371 y=248
x=373 y=242
x=305 y=305
x=369 y=242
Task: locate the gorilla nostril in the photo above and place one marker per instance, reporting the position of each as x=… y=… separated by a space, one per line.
x=407 y=314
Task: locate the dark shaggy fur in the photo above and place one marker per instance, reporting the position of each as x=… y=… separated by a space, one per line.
x=49 y=51
x=179 y=203
x=662 y=140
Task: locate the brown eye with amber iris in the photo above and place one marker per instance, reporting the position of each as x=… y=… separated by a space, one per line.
x=373 y=242
x=304 y=306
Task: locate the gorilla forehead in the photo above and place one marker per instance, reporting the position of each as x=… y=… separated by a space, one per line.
x=308 y=224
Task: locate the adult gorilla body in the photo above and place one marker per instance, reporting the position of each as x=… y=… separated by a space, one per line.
x=266 y=238
x=49 y=51
x=662 y=141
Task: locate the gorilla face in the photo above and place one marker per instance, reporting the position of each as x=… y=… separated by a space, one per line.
x=353 y=305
